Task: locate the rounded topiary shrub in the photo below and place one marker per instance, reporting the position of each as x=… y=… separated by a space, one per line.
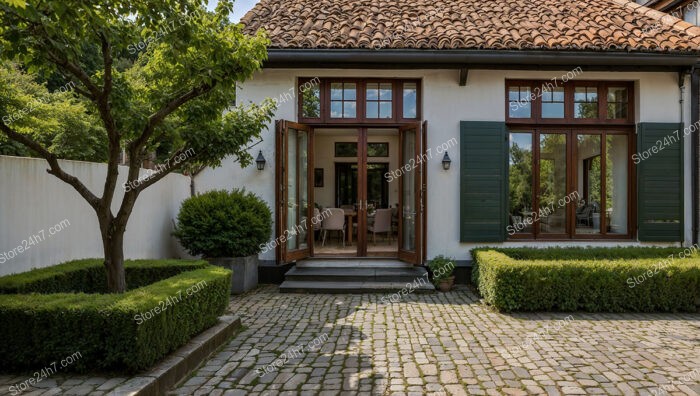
x=224 y=224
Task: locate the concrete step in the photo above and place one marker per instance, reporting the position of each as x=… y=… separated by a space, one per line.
x=290 y=286
x=357 y=274
x=352 y=263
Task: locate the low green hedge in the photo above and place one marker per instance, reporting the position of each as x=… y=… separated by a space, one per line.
x=123 y=332
x=89 y=276
x=625 y=285
x=587 y=253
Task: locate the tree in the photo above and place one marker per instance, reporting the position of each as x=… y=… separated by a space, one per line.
x=57 y=120
x=173 y=98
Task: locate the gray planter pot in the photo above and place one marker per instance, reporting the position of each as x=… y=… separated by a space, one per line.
x=245 y=271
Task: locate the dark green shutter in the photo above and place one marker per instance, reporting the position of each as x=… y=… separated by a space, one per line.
x=660 y=182
x=483 y=181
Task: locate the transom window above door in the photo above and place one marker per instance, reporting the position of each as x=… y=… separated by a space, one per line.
x=574 y=102
x=343 y=100
x=351 y=101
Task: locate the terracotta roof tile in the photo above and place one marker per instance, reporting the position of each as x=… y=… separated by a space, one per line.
x=593 y=25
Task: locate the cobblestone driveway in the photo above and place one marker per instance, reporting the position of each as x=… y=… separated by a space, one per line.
x=445 y=343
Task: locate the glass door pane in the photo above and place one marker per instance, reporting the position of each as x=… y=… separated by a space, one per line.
x=293 y=202
x=297 y=189
x=616 y=198
x=381 y=192
x=551 y=213
x=410 y=214
x=589 y=186
x=520 y=184
x=408 y=193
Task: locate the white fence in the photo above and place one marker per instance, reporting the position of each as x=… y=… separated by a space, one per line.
x=43 y=221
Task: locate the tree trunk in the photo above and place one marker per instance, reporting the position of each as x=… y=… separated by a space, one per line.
x=114 y=261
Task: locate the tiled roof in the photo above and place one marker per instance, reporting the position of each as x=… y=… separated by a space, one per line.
x=593 y=25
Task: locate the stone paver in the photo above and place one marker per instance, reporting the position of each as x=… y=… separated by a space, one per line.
x=428 y=344
x=445 y=344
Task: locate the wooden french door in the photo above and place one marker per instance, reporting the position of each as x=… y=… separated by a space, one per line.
x=295 y=200
x=294 y=193
x=411 y=193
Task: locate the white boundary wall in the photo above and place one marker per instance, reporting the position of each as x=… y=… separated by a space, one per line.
x=32 y=200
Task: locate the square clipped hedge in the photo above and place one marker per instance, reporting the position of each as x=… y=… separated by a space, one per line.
x=123 y=332
x=89 y=276
x=566 y=280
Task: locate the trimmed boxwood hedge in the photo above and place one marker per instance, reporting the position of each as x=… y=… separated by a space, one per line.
x=588 y=253
x=89 y=276
x=593 y=285
x=41 y=328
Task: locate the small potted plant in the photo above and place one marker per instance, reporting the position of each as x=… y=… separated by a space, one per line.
x=228 y=230
x=442 y=269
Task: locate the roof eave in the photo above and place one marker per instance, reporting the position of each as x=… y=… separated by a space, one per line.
x=477 y=59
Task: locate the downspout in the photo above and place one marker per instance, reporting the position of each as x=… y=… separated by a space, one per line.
x=695 y=149
x=681 y=88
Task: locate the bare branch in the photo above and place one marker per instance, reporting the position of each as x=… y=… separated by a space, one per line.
x=53 y=163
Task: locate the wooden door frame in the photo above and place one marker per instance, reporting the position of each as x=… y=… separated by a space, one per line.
x=362 y=192
x=282 y=255
x=415 y=257
x=424 y=193
x=420 y=195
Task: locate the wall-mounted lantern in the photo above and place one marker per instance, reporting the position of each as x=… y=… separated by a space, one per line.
x=446 y=161
x=260 y=161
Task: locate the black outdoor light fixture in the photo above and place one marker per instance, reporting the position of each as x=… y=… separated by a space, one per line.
x=446 y=161
x=260 y=161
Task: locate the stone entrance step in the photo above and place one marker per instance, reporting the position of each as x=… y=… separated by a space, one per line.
x=354 y=277
x=352 y=263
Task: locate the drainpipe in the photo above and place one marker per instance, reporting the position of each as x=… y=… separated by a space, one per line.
x=681 y=88
x=695 y=149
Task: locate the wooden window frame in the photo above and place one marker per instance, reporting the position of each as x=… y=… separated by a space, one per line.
x=359 y=101
x=540 y=107
x=533 y=107
x=572 y=180
x=393 y=100
x=300 y=104
x=606 y=87
x=569 y=88
x=361 y=118
x=572 y=105
x=399 y=101
x=388 y=152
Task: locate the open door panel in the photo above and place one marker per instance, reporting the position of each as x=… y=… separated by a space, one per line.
x=294 y=191
x=411 y=165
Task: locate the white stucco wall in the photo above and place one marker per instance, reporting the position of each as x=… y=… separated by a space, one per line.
x=31 y=200
x=445 y=104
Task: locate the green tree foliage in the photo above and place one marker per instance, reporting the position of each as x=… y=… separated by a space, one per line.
x=58 y=120
x=162 y=82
